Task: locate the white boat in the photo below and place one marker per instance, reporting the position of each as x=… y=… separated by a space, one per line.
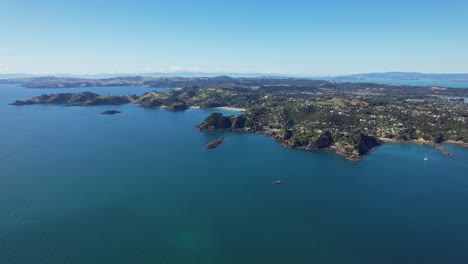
x=426 y=158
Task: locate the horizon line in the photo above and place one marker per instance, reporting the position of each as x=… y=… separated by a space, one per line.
x=220 y=72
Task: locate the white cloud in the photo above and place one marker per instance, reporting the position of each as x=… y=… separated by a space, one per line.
x=178 y=69
x=5 y=70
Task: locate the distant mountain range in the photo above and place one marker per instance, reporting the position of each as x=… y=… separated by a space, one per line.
x=365 y=77
x=174 y=82
x=145 y=74
x=407 y=76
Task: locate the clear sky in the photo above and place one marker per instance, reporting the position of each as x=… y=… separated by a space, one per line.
x=301 y=37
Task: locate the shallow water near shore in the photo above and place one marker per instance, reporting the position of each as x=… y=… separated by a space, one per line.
x=139 y=187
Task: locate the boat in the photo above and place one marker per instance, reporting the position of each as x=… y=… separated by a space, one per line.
x=426 y=158
x=278 y=182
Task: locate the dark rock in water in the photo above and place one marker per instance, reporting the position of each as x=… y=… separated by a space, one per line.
x=447 y=153
x=111 y=112
x=214 y=144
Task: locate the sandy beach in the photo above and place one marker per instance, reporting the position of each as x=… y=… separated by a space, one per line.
x=230 y=108
x=460 y=143
x=426 y=142
x=420 y=141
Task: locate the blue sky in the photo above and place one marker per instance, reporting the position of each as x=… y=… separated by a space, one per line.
x=298 y=37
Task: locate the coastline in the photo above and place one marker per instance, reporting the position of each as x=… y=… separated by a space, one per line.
x=425 y=142
x=231 y=108
x=271 y=133
x=460 y=143
x=349 y=156
x=222 y=108
x=416 y=141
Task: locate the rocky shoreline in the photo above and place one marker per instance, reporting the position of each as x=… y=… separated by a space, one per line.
x=353 y=152
x=349 y=154
x=218 y=122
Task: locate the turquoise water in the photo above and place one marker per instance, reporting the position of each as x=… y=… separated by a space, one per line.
x=138 y=187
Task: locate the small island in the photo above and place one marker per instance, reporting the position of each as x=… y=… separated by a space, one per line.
x=110 y=112
x=214 y=144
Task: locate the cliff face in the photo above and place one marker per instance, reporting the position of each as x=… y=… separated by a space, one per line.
x=356 y=146
x=215 y=121
x=218 y=121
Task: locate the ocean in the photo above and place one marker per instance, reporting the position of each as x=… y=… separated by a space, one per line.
x=139 y=187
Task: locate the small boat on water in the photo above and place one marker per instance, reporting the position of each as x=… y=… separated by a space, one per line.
x=426 y=158
x=278 y=182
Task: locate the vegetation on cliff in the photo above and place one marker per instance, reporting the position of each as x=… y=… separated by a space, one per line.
x=215 y=121
x=175 y=104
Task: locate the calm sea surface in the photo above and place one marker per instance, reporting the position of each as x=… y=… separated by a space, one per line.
x=139 y=187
